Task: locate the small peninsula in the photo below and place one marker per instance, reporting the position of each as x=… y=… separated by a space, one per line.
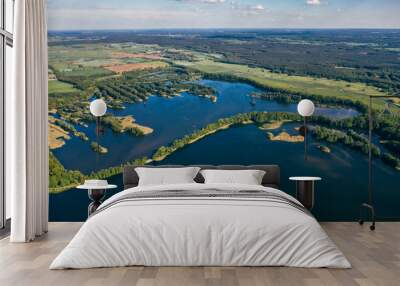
x=275 y=124
x=121 y=124
x=128 y=123
x=57 y=136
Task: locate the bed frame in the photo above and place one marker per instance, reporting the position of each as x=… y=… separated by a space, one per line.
x=271 y=177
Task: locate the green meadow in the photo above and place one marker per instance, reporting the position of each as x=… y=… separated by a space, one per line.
x=290 y=83
x=56 y=86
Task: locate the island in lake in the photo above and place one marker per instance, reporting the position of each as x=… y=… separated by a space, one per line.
x=96 y=147
x=285 y=137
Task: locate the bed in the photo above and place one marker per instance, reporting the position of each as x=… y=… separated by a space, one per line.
x=197 y=224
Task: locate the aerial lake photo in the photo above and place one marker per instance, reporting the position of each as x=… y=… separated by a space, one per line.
x=226 y=97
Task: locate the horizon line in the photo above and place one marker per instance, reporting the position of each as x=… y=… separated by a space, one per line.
x=219 y=28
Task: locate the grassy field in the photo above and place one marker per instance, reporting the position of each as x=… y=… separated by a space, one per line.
x=136 y=66
x=75 y=52
x=302 y=84
x=91 y=53
x=56 y=86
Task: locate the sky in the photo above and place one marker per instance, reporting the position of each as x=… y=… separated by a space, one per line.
x=155 y=14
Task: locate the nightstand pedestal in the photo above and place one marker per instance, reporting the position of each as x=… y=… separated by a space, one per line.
x=305 y=190
x=96 y=194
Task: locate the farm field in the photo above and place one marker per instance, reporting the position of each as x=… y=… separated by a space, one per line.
x=122 y=68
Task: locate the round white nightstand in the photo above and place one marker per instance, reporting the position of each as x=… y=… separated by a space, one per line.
x=305 y=190
x=96 y=195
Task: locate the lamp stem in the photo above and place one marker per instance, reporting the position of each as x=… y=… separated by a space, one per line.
x=305 y=138
x=97 y=139
x=370 y=124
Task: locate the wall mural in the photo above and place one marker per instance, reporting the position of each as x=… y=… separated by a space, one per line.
x=180 y=90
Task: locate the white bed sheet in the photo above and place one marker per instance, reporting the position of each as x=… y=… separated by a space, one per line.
x=200 y=232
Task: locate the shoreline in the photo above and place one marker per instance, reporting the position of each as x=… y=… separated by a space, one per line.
x=227 y=126
x=150 y=160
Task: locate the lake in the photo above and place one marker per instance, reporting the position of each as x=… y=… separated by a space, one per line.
x=344 y=171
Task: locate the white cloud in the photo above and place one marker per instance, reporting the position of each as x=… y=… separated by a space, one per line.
x=247 y=9
x=234 y=5
x=314 y=2
x=258 y=7
x=212 y=1
x=254 y=10
x=203 y=1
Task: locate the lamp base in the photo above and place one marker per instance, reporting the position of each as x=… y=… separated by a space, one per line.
x=371 y=209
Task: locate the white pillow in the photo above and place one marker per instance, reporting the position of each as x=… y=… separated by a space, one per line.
x=248 y=177
x=165 y=176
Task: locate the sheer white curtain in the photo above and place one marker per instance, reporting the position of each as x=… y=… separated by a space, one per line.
x=26 y=124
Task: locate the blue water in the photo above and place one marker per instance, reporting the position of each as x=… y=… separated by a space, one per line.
x=344 y=171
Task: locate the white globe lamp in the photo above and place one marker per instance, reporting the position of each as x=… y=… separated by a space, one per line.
x=98 y=107
x=306 y=108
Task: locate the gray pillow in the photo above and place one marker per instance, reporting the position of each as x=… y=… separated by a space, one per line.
x=247 y=177
x=166 y=176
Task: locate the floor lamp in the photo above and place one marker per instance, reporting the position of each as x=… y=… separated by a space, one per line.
x=96 y=188
x=305 y=108
x=98 y=108
x=369 y=205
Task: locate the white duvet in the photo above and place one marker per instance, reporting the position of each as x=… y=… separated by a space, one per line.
x=202 y=232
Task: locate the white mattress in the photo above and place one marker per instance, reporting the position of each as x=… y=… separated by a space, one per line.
x=200 y=232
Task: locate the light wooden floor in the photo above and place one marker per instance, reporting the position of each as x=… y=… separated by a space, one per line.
x=375 y=257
